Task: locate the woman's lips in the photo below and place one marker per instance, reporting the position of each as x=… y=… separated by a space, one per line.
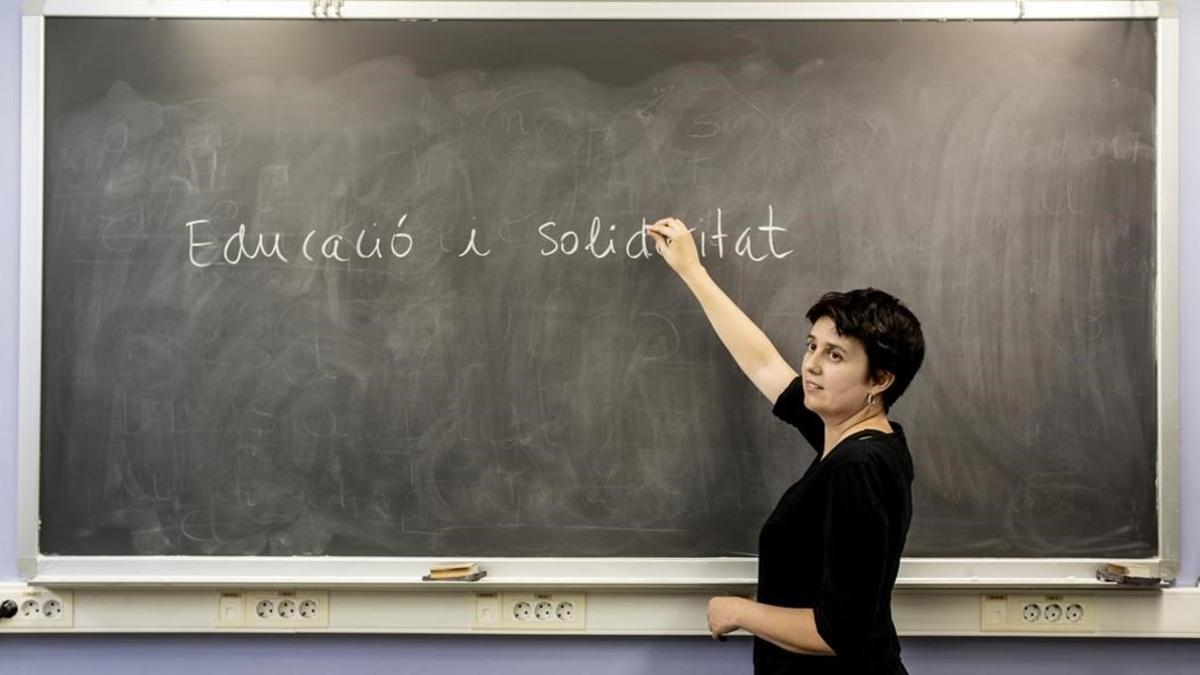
x=811 y=386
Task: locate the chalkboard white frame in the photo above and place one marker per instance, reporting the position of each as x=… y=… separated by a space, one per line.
x=714 y=573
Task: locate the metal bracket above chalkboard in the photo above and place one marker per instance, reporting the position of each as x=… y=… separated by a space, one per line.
x=327 y=9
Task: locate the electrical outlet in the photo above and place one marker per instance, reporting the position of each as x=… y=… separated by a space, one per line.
x=1038 y=614
x=38 y=609
x=487 y=611
x=273 y=609
x=532 y=611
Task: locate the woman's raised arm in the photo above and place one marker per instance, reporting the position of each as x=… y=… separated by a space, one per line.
x=750 y=347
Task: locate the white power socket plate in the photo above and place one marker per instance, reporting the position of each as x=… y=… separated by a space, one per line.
x=1049 y=613
x=267 y=610
x=39 y=609
x=533 y=612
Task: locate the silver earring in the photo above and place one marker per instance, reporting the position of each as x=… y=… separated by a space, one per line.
x=870 y=400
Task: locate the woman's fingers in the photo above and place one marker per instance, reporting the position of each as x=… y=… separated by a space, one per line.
x=661 y=236
x=668 y=226
x=673 y=241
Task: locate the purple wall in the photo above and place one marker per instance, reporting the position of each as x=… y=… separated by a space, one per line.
x=402 y=655
x=369 y=655
x=1189 y=291
x=10 y=227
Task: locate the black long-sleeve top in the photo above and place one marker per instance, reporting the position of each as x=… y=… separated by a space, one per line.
x=833 y=543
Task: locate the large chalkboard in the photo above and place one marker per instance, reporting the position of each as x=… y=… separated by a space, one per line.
x=377 y=288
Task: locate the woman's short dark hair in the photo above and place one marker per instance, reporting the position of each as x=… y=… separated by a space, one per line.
x=890 y=332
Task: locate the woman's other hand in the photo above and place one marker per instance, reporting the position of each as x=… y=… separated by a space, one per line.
x=722 y=614
x=673 y=241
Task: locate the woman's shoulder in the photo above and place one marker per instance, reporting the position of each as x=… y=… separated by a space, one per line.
x=871 y=450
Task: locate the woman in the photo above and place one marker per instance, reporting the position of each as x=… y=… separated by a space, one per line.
x=829 y=552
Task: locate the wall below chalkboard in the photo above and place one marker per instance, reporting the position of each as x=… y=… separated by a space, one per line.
x=1144 y=614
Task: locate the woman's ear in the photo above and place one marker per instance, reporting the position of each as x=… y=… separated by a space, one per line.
x=881 y=380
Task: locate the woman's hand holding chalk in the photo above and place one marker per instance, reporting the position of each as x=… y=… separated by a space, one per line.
x=673 y=241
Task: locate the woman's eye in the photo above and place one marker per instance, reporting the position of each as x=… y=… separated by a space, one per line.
x=835 y=356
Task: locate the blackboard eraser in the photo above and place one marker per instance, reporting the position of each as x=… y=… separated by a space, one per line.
x=469 y=577
x=1132 y=575
x=455 y=572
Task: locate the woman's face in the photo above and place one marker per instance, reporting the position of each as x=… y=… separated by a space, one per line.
x=835 y=374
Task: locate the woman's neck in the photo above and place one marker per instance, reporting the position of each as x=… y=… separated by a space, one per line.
x=859 y=421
